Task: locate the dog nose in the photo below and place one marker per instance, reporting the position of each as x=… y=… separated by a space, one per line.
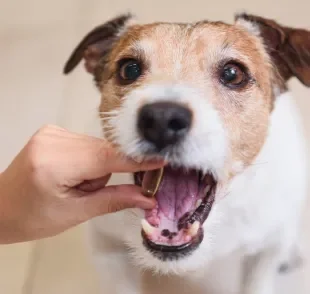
x=164 y=123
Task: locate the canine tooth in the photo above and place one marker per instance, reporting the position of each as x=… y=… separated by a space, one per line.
x=151 y=182
x=147 y=227
x=198 y=203
x=193 y=230
x=207 y=189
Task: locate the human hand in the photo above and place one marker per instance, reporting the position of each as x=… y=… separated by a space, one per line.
x=58 y=181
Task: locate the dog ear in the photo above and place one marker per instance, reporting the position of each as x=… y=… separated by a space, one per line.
x=96 y=44
x=289 y=47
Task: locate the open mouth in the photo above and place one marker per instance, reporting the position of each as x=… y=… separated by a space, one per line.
x=173 y=229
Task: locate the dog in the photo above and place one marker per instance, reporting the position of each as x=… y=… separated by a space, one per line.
x=211 y=99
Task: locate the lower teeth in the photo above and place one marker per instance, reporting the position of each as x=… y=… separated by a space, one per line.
x=193 y=230
x=198 y=203
x=206 y=190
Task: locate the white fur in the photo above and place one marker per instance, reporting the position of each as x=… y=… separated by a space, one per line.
x=249 y=26
x=259 y=213
x=207 y=132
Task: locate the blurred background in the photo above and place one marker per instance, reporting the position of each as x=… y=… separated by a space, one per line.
x=36 y=37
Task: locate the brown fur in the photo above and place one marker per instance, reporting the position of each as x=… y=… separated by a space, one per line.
x=193 y=54
x=200 y=49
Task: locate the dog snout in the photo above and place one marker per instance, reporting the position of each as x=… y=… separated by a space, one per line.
x=164 y=123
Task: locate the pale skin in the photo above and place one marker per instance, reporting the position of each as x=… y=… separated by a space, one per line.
x=58 y=181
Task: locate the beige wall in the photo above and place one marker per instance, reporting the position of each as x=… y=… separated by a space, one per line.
x=36 y=37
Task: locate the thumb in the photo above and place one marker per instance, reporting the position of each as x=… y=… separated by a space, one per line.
x=115 y=198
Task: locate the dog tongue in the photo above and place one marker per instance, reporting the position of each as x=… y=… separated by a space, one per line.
x=177 y=193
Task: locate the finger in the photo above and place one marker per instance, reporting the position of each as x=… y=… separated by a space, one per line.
x=93 y=185
x=100 y=158
x=116 y=162
x=114 y=198
x=88 y=158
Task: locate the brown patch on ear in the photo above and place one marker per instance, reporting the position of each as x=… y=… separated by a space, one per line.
x=289 y=47
x=297 y=54
x=96 y=44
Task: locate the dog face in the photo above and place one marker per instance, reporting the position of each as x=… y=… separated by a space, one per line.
x=200 y=95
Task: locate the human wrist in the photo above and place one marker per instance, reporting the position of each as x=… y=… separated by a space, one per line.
x=9 y=214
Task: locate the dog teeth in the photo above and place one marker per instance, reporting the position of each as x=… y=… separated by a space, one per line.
x=207 y=189
x=198 y=203
x=151 y=182
x=193 y=230
x=147 y=227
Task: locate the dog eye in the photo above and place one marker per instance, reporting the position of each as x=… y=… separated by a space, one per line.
x=129 y=70
x=233 y=75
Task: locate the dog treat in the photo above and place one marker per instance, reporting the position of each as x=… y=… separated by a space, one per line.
x=151 y=182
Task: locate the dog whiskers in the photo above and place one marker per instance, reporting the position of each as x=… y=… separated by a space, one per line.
x=109 y=129
x=133 y=147
x=108 y=114
x=111 y=111
x=106 y=118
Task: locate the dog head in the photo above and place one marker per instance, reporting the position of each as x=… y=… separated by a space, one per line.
x=201 y=96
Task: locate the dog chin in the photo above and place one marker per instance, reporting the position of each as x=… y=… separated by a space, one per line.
x=198 y=259
x=145 y=260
